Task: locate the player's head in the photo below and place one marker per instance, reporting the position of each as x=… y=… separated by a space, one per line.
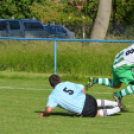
x=117 y=22
x=54 y=80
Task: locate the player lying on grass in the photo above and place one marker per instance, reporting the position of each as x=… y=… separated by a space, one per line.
x=122 y=73
x=72 y=98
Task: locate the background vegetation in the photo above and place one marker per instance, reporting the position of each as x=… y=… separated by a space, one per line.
x=70 y=14
x=41 y=9
x=16 y=8
x=73 y=58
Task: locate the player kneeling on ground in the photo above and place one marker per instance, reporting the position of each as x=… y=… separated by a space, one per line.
x=72 y=98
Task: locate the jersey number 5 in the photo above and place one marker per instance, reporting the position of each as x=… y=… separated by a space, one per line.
x=70 y=92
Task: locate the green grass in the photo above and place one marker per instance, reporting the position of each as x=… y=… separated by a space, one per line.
x=73 y=58
x=24 y=95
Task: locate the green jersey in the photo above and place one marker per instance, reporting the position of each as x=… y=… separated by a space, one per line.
x=125 y=58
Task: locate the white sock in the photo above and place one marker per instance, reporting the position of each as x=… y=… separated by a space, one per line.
x=106 y=103
x=106 y=112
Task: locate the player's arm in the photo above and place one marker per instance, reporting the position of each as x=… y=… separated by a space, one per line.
x=82 y=88
x=47 y=112
x=83 y=91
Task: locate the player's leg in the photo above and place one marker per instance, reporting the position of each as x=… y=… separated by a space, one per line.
x=126 y=77
x=113 y=83
x=126 y=91
x=101 y=103
x=107 y=112
x=102 y=81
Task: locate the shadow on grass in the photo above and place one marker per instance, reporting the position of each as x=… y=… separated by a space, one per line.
x=115 y=114
x=126 y=111
x=123 y=111
x=57 y=113
x=71 y=115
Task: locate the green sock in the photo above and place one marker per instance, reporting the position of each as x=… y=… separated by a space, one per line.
x=95 y=80
x=104 y=81
x=118 y=94
x=127 y=91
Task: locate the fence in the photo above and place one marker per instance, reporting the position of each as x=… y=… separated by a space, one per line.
x=83 y=31
x=70 y=40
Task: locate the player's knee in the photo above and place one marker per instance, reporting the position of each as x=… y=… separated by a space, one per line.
x=132 y=83
x=117 y=85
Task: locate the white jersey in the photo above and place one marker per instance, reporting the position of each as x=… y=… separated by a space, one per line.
x=125 y=57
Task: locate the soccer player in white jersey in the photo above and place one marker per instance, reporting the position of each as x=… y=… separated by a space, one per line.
x=122 y=73
x=71 y=97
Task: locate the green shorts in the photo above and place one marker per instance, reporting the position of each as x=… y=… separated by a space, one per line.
x=123 y=75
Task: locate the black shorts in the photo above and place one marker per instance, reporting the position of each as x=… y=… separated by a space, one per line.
x=90 y=107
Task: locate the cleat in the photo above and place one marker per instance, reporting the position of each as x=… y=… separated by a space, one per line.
x=122 y=107
x=118 y=99
x=89 y=83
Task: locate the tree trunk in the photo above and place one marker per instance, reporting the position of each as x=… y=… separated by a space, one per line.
x=102 y=20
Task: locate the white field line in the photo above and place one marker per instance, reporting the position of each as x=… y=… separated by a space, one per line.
x=22 y=88
x=15 y=88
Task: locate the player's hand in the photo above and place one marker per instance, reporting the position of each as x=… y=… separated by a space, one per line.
x=41 y=115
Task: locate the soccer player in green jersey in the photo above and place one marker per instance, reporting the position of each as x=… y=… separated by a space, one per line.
x=122 y=73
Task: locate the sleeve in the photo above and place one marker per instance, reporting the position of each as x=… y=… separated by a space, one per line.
x=51 y=102
x=80 y=87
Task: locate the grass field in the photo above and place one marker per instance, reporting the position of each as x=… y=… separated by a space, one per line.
x=23 y=97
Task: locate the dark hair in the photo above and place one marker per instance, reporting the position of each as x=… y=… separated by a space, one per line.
x=54 y=80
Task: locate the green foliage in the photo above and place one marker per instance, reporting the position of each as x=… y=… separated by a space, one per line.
x=24 y=56
x=129 y=16
x=124 y=11
x=16 y=8
x=72 y=57
x=90 y=8
x=49 y=11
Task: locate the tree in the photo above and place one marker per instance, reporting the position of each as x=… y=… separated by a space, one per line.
x=16 y=8
x=51 y=11
x=125 y=11
x=102 y=20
